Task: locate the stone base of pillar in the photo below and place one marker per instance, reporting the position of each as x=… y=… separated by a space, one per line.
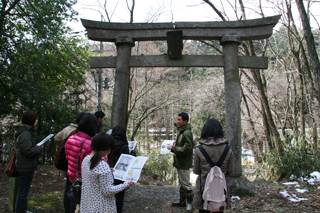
x=240 y=186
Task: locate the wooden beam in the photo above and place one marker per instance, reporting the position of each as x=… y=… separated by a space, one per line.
x=246 y=30
x=185 y=61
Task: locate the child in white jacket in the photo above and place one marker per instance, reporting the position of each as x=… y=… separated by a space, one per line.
x=98 y=191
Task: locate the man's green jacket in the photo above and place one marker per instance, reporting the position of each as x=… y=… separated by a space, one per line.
x=183 y=148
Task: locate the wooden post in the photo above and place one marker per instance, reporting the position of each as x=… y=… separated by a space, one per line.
x=232 y=98
x=122 y=81
x=13 y=191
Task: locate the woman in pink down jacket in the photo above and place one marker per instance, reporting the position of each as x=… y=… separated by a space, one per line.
x=86 y=130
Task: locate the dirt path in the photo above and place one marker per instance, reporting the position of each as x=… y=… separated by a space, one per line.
x=46 y=196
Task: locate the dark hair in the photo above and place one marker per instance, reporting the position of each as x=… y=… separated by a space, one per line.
x=99 y=114
x=29 y=117
x=184 y=116
x=212 y=128
x=78 y=119
x=101 y=142
x=88 y=124
x=119 y=133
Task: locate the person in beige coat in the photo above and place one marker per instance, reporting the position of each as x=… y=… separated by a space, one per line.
x=63 y=134
x=213 y=141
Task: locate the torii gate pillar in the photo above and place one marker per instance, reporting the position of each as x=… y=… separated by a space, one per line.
x=122 y=81
x=232 y=98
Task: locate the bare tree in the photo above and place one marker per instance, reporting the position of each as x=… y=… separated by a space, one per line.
x=309 y=38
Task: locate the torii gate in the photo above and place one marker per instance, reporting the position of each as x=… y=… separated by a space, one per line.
x=229 y=33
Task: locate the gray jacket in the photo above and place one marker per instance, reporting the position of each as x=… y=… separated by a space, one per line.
x=26 y=148
x=214 y=147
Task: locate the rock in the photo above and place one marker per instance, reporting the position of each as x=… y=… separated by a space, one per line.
x=240 y=186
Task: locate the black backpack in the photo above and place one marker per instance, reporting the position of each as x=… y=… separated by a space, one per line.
x=60 y=159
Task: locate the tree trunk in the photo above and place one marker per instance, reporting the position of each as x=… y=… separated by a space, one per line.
x=315 y=137
x=265 y=103
x=294 y=110
x=311 y=46
x=254 y=141
x=302 y=100
x=266 y=128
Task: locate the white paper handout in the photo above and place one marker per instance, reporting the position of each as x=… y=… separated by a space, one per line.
x=45 y=140
x=109 y=132
x=128 y=167
x=132 y=145
x=164 y=145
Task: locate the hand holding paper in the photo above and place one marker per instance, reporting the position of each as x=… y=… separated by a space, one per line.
x=45 y=140
x=164 y=146
x=132 y=145
x=129 y=167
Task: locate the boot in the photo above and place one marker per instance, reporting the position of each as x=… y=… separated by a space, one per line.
x=189 y=195
x=182 y=201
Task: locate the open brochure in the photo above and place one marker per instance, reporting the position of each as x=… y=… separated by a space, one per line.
x=45 y=140
x=128 y=167
x=132 y=145
x=164 y=145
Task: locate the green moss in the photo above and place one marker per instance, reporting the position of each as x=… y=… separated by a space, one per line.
x=47 y=203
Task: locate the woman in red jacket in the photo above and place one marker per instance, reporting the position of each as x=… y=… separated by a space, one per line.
x=86 y=130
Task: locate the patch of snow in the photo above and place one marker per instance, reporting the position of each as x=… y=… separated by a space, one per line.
x=268 y=193
x=292 y=198
x=301 y=190
x=285 y=193
x=315 y=176
x=297 y=186
x=235 y=197
x=290 y=183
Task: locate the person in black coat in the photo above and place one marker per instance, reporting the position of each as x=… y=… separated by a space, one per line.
x=121 y=147
x=28 y=153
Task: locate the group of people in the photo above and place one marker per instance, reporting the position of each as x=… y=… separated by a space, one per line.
x=99 y=154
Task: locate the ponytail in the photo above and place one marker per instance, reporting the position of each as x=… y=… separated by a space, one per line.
x=101 y=142
x=95 y=160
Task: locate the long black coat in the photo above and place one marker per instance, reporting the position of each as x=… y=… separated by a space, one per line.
x=121 y=147
x=26 y=149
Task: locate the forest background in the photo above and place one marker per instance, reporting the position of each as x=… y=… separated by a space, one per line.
x=45 y=68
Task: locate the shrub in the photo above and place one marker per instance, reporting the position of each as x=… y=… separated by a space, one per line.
x=298 y=159
x=160 y=167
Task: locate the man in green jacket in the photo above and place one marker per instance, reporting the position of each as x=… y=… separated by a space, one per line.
x=183 y=156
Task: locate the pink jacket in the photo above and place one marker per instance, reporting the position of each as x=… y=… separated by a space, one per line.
x=72 y=148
